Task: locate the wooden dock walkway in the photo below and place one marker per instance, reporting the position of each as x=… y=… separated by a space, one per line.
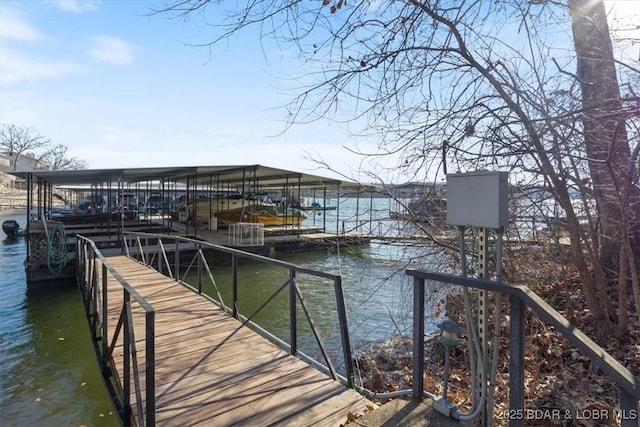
x=211 y=370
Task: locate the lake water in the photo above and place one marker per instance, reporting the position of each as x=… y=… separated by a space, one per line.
x=49 y=375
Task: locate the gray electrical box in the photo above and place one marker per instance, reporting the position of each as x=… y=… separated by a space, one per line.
x=478 y=199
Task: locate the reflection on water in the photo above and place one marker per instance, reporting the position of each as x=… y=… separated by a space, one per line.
x=49 y=374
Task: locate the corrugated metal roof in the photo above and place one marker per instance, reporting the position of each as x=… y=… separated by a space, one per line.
x=264 y=176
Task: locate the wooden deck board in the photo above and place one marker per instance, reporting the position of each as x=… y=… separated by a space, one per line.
x=334 y=409
x=296 y=398
x=223 y=373
x=232 y=394
x=212 y=371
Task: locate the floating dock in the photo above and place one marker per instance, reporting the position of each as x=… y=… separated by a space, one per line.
x=106 y=232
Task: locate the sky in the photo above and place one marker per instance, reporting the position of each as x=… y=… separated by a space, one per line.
x=122 y=88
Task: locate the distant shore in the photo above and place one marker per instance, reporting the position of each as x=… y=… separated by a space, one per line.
x=17 y=199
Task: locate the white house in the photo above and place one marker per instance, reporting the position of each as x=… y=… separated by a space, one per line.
x=9 y=162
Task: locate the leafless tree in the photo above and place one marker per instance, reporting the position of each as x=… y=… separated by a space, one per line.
x=58 y=158
x=458 y=85
x=21 y=140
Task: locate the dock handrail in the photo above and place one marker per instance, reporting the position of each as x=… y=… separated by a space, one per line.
x=520 y=297
x=135 y=248
x=93 y=286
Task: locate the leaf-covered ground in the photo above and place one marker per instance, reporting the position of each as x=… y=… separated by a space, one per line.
x=562 y=386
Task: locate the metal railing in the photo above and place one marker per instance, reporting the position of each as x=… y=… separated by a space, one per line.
x=92 y=273
x=151 y=250
x=520 y=297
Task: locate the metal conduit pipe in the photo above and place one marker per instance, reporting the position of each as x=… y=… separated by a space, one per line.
x=390 y=395
x=479 y=404
x=475 y=361
x=494 y=358
x=496 y=329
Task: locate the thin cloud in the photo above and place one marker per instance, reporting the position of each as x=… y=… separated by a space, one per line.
x=14 y=27
x=17 y=68
x=76 y=6
x=111 y=50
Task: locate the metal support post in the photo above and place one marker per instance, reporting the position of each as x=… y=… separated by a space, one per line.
x=150 y=369
x=234 y=285
x=344 y=331
x=105 y=320
x=629 y=414
x=198 y=254
x=177 y=260
x=516 y=360
x=121 y=210
x=483 y=311
x=293 y=321
x=418 y=338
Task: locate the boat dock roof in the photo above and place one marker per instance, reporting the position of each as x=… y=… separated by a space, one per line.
x=264 y=176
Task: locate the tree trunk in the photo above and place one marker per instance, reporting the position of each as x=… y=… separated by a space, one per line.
x=605 y=135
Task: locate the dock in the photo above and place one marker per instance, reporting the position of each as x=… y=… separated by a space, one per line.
x=107 y=234
x=212 y=370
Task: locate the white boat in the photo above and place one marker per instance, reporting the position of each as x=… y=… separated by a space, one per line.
x=205 y=209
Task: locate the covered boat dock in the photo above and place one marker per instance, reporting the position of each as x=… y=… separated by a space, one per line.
x=104 y=203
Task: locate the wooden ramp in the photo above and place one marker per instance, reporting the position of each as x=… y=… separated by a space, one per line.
x=211 y=371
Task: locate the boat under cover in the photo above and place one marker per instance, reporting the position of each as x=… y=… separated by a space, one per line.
x=262 y=214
